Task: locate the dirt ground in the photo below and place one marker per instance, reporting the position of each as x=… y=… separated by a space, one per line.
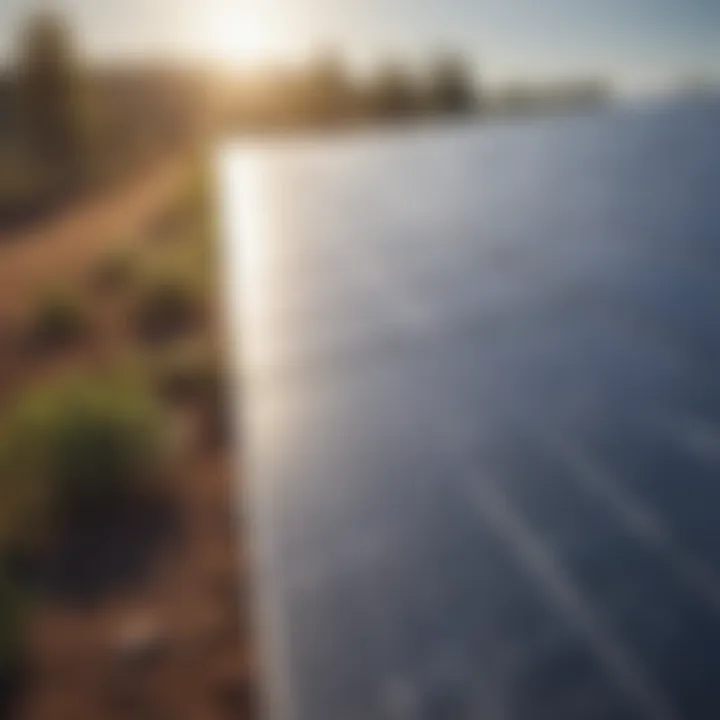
x=144 y=615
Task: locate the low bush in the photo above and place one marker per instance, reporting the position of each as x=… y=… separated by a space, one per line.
x=191 y=371
x=168 y=304
x=78 y=442
x=192 y=374
x=59 y=318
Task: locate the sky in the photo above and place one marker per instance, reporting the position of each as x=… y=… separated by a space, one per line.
x=637 y=43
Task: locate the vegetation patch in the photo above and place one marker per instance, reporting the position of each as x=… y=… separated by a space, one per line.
x=77 y=443
x=59 y=318
x=191 y=371
x=168 y=304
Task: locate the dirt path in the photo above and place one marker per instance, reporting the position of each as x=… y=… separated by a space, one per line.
x=54 y=250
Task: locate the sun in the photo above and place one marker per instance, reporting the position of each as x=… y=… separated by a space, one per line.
x=236 y=36
x=242 y=43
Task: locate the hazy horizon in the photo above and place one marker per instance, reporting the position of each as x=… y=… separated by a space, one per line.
x=641 y=44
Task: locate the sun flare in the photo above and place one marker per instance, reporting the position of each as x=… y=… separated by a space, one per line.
x=238 y=37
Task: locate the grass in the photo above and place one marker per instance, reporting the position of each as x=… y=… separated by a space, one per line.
x=79 y=441
x=59 y=318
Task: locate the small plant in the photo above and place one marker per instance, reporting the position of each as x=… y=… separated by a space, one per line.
x=167 y=305
x=58 y=319
x=80 y=442
x=115 y=270
x=193 y=374
x=188 y=372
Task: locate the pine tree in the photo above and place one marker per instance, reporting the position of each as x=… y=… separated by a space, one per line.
x=50 y=103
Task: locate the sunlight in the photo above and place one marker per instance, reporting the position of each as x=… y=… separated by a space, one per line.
x=238 y=35
x=245 y=222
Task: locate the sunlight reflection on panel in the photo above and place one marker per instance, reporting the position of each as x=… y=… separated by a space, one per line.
x=246 y=227
x=246 y=220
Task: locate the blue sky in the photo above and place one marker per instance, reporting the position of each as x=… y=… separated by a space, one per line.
x=637 y=42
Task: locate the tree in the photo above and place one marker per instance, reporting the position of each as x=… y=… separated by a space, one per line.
x=50 y=104
x=451 y=85
x=393 y=92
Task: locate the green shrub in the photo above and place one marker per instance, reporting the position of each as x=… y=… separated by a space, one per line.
x=168 y=303
x=189 y=372
x=75 y=442
x=194 y=374
x=59 y=318
x=115 y=270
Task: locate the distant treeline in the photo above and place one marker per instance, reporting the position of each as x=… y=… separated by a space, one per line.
x=325 y=92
